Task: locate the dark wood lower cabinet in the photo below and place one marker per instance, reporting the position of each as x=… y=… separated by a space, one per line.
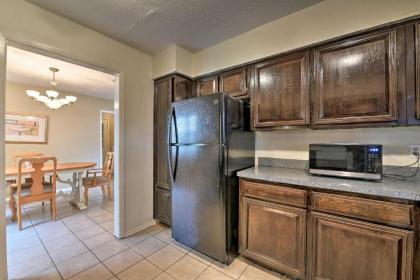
x=314 y=241
x=347 y=249
x=274 y=235
x=163 y=205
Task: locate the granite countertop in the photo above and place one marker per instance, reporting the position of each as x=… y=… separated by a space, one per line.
x=391 y=188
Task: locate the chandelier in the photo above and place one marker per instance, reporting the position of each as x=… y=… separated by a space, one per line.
x=51 y=98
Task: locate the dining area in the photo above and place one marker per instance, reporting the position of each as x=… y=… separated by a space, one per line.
x=57 y=212
x=34 y=178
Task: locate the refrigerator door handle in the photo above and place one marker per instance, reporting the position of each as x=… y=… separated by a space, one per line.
x=172 y=120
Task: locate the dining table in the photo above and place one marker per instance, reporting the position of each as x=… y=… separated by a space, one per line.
x=76 y=181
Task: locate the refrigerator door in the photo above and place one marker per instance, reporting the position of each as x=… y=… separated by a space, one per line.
x=198 y=199
x=196 y=120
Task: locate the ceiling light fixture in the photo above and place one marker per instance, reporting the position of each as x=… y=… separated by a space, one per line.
x=51 y=98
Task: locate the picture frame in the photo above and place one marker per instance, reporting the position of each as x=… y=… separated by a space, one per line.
x=26 y=128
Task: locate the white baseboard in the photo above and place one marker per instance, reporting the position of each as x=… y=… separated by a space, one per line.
x=139 y=228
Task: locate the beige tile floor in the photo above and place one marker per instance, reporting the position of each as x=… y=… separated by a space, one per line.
x=80 y=245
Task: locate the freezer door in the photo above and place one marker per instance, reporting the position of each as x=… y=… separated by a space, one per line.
x=196 y=120
x=198 y=200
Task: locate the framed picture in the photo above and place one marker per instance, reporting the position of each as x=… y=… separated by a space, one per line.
x=26 y=128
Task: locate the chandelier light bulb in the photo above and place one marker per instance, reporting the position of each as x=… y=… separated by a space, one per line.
x=52 y=93
x=71 y=98
x=33 y=94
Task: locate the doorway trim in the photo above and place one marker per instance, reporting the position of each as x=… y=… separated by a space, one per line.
x=119 y=193
x=3 y=246
x=101 y=112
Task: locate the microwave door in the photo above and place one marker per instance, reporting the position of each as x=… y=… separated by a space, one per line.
x=338 y=158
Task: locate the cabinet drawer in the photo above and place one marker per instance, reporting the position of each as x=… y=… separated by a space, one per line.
x=274 y=193
x=374 y=210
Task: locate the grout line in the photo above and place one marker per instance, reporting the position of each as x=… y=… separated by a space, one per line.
x=88 y=250
x=45 y=248
x=73 y=233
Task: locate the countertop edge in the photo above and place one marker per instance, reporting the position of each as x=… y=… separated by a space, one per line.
x=328 y=183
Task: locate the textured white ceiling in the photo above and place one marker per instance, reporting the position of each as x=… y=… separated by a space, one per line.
x=153 y=25
x=33 y=70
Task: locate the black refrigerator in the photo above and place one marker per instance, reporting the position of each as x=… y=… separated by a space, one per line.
x=209 y=140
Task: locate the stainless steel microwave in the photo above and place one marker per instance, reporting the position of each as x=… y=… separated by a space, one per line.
x=346 y=160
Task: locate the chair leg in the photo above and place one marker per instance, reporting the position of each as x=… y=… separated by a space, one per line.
x=19 y=214
x=103 y=190
x=12 y=205
x=54 y=209
x=110 y=192
x=86 y=193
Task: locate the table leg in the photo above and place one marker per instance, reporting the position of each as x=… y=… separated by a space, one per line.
x=76 y=195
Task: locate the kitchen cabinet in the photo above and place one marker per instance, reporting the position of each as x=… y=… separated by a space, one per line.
x=234 y=82
x=167 y=90
x=280 y=94
x=344 y=248
x=310 y=234
x=163 y=98
x=163 y=205
x=412 y=31
x=182 y=88
x=207 y=85
x=272 y=233
x=360 y=80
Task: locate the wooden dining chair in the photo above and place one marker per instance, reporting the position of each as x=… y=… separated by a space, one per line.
x=100 y=177
x=12 y=183
x=37 y=189
x=17 y=157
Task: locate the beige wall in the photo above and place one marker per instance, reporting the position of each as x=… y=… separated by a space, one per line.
x=328 y=19
x=293 y=144
x=74 y=131
x=174 y=58
x=164 y=62
x=23 y=22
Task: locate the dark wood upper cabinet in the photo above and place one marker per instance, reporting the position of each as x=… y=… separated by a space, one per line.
x=344 y=248
x=412 y=33
x=281 y=91
x=207 y=85
x=163 y=98
x=360 y=80
x=234 y=82
x=182 y=88
x=417 y=101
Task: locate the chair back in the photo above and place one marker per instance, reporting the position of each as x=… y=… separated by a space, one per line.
x=108 y=167
x=37 y=174
x=19 y=156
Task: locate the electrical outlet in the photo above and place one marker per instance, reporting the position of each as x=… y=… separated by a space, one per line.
x=414 y=151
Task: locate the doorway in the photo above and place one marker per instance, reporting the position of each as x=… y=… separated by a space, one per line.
x=113 y=140
x=106 y=134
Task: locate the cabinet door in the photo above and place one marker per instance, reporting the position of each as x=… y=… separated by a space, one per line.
x=413 y=72
x=163 y=206
x=234 y=82
x=356 y=80
x=274 y=235
x=347 y=249
x=163 y=95
x=281 y=91
x=207 y=85
x=182 y=88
